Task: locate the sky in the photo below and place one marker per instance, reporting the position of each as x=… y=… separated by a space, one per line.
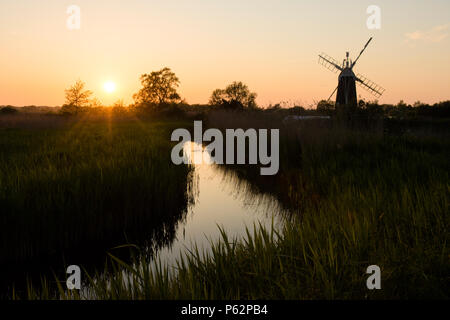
x=271 y=45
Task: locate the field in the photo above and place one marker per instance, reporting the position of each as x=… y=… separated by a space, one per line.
x=359 y=197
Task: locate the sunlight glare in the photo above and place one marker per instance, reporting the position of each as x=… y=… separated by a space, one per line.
x=109 y=86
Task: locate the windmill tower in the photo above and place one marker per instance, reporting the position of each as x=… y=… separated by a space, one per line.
x=346 y=89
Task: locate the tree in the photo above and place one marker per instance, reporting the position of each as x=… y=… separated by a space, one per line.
x=119 y=104
x=158 y=87
x=235 y=93
x=325 y=106
x=298 y=110
x=96 y=103
x=402 y=104
x=76 y=96
x=8 y=110
x=418 y=104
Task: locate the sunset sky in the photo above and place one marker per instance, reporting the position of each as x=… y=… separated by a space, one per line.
x=270 y=45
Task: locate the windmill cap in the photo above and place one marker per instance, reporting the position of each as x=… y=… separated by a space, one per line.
x=347 y=72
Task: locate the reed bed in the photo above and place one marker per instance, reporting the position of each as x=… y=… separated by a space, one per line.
x=86 y=186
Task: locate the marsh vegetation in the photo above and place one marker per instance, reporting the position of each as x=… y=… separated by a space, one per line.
x=356 y=196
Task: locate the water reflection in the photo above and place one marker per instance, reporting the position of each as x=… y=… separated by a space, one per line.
x=221 y=199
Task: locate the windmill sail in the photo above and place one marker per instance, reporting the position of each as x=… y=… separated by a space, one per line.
x=329 y=63
x=354 y=62
x=369 y=85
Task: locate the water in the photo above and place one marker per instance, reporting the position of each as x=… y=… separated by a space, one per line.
x=222 y=199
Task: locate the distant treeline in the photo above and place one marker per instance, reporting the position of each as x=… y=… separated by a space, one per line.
x=373 y=109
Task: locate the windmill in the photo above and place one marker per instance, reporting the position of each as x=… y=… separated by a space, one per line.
x=346 y=89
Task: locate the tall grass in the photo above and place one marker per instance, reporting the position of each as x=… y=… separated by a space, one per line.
x=87 y=185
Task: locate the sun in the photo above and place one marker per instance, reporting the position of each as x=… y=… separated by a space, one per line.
x=109 y=86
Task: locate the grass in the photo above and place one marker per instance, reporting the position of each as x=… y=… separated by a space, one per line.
x=86 y=186
x=360 y=197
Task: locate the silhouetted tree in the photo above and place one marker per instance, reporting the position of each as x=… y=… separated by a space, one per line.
x=297 y=110
x=325 y=106
x=119 y=104
x=8 y=110
x=158 y=87
x=418 y=104
x=76 y=96
x=235 y=93
x=96 y=103
x=401 y=104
